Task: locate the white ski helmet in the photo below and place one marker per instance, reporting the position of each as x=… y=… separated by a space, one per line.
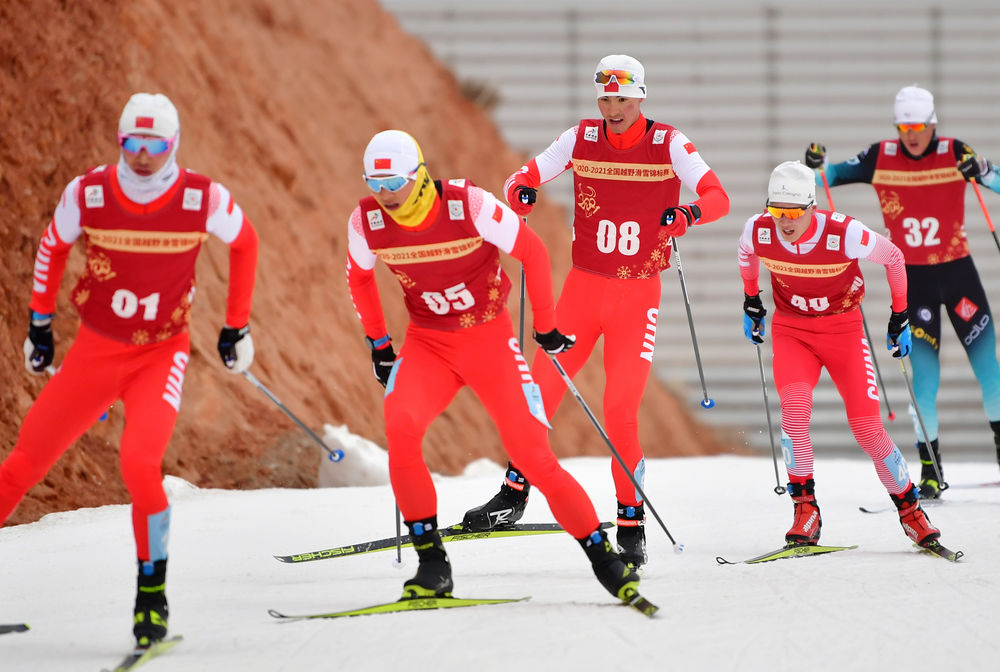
x=914 y=105
x=392 y=153
x=792 y=182
x=149 y=114
x=620 y=75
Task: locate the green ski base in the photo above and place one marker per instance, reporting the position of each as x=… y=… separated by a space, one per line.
x=141 y=656
x=935 y=548
x=410 y=604
x=452 y=533
x=787 y=551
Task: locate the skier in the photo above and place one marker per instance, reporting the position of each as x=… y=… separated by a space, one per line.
x=443 y=241
x=627 y=175
x=920 y=179
x=812 y=256
x=143 y=222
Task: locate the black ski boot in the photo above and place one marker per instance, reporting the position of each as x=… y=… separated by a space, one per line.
x=930 y=486
x=506 y=507
x=617 y=577
x=433 y=578
x=632 y=534
x=150 y=621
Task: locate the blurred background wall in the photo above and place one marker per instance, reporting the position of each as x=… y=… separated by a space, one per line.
x=751 y=84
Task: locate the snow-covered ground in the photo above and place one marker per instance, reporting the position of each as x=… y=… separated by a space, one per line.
x=883 y=606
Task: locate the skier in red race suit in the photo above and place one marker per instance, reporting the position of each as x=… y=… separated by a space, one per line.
x=442 y=240
x=921 y=181
x=143 y=222
x=627 y=176
x=812 y=256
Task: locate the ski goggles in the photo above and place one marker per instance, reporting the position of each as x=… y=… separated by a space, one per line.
x=790 y=213
x=391 y=183
x=623 y=77
x=916 y=128
x=133 y=144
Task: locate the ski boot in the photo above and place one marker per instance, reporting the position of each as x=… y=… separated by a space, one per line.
x=807 y=523
x=617 y=577
x=506 y=507
x=930 y=486
x=433 y=578
x=150 y=614
x=915 y=522
x=632 y=534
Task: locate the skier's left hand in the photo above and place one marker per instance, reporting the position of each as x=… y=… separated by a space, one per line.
x=898 y=339
x=679 y=218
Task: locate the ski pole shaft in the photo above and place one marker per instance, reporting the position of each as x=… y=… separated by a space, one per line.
x=986 y=213
x=706 y=402
x=335 y=455
x=878 y=371
x=864 y=322
x=923 y=428
x=399 y=539
x=520 y=335
x=604 y=435
x=779 y=489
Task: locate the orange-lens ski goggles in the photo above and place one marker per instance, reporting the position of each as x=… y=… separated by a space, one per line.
x=623 y=77
x=790 y=213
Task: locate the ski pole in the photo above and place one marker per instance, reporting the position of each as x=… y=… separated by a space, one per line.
x=707 y=402
x=878 y=372
x=923 y=428
x=398 y=562
x=335 y=455
x=520 y=335
x=779 y=489
x=986 y=213
x=678 y=548
x=864 y=322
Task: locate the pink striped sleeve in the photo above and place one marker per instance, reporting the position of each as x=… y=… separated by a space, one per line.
x=886 y=253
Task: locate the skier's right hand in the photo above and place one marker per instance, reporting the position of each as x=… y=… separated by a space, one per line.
x=815 y=155
x=39 y=347
x=553 y=342
x=520 y=195
x=753 y=318
x=383 y=358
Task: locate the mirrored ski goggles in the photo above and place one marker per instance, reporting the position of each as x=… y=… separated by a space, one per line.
x=916 y=128
x=133 y=144
x=790 y=213
x=391 y=183
x=623 y=77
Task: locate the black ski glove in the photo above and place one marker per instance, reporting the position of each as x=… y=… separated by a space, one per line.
x=553 y=342
x=382 y=359
x=39 y=347
x=815 y=155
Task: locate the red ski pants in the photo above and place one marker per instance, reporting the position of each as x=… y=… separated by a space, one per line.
x=96 y=372
x=624 y=312
x=431 y=368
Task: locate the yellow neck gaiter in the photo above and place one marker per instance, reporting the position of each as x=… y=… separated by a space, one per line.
x=418 y=204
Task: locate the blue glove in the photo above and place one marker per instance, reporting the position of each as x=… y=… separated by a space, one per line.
x=753 y=318
x=898 y=339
